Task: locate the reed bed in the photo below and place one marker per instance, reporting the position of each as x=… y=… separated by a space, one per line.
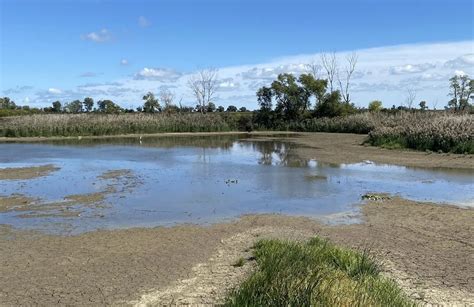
x=111 y=124
x=315 y=273
x=435 y=131
x=443 y=133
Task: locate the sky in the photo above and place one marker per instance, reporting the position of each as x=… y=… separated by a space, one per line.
x=64 y=50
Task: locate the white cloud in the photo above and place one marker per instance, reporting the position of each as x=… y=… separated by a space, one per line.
x=383 y=73
x=159 y=74
x=54 y=91
x=98 y=37
x=459 y=73
x=227 y=84
x=465 y=59
x=143 y=22
x=123 y=62
x=411 y=68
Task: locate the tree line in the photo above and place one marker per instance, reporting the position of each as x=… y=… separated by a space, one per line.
x=323 y=91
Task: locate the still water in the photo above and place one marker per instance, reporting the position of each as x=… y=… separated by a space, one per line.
x=172 y=180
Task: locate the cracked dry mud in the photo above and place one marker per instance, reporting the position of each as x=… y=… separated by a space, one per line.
x=427 y=248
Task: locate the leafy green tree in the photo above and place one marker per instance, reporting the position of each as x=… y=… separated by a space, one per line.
x=423 y=105
x=264 y=98
x=88 y=104
x=151 y=104
x=314 y=87
x=211 y=107
x=243 y=109
x=375 y=106
x=6 y=103
x=291 y=98
x=462 y=89
x=220 y=109
x=108 y=106
x=231 y=109
x=57 y=107
x=330 y=106
x=73 y=106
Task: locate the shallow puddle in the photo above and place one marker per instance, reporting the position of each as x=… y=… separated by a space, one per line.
x=111 y=183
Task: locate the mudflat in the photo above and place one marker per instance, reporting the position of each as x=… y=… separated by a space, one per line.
x=18 y=173
x=428 y=248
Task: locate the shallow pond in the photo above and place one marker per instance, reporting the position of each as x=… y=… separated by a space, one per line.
x=169 y=180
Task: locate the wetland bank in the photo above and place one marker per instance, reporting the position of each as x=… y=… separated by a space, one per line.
x=98 y=235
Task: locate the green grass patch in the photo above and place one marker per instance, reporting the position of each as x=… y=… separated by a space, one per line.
x=315 y=273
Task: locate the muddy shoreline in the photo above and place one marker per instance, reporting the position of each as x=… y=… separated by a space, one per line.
x=428 y=248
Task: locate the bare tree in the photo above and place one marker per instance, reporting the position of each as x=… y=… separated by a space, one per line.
x=203 y=85
x=166 y=98
x=410 y=98
x=329 y=62
x=349 y=69
x=313 y=69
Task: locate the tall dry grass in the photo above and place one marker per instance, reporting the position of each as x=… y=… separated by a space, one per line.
x=109 y=124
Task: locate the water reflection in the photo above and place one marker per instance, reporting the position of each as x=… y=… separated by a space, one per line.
x=207 y=179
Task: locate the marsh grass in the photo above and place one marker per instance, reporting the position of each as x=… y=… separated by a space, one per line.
x=112 y=124
x=434 y=131
x=315 y=273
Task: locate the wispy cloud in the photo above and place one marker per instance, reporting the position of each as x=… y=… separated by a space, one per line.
x=124 y=62
x=98 y=37
x=143 y=22
x=17 y=90
x=89 y=74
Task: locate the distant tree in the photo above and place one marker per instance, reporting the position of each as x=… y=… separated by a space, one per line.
x=329 y=62
x=375 y=106
x=344 y=81
x=423 y=105
x=203 y=85
x=88 y=104
x=211 y=107
x=243 y=109
x=410 y=98
x=73 y=106
x=314 y=87
x=264 y=98
x=313 y=69
x=108 y=106
x=151 y=104
x=462 y=89
x=220 y=109
x=291 y=98
x=6 y=103
x=331 y=106
x=167 y=99
x=231 y=109
x=57 y=107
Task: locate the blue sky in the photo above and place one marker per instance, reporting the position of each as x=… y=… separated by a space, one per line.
x=70 y=49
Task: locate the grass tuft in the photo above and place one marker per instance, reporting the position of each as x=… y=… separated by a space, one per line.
x=315 y=273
